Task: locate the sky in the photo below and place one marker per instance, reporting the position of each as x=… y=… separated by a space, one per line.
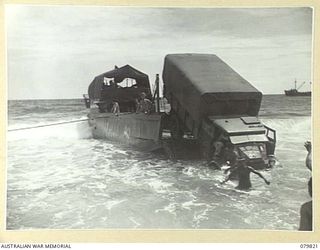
x=54 y=52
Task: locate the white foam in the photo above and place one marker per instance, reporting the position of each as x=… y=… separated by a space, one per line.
x=136 y=224
x=110 y=204
x=171 y=208
x=160 y=186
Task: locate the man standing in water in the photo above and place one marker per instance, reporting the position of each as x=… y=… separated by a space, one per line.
x=243 y=173
x=306 y=212
x=306 y=208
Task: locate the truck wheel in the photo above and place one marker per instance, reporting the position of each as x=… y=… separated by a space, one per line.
x=175 y=128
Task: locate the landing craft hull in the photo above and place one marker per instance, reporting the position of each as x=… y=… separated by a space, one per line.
x=140 y=130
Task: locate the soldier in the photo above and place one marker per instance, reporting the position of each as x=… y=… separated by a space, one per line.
x=306 y=208
x=306 y=212
x=144 y=105
x=243 y=172
x=115 y=107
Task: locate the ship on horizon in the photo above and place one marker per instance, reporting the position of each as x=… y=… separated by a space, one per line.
x=295 y=91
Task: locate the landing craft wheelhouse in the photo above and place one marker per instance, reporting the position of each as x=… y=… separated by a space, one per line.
x=208 y=99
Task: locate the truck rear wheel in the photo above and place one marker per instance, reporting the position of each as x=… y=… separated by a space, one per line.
x=175 y=127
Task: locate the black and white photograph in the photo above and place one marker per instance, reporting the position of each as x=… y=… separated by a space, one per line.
x=136 y=118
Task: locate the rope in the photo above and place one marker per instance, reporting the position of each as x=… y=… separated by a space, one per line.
x=47 y=125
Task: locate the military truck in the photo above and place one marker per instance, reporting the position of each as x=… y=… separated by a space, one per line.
x=218 y=108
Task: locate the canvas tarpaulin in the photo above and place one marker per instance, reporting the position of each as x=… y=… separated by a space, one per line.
x=205 y=85
x=118 y=74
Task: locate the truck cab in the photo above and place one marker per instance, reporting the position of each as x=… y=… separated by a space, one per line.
x=246 y=136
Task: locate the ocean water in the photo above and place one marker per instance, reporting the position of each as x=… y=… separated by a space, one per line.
x=59 y=177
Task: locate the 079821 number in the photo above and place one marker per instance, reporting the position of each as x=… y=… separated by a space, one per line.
x=306 y=245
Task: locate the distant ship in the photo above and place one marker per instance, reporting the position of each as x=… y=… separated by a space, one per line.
x=295 y=91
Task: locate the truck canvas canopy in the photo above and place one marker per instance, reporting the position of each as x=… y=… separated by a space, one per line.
x=207 y=86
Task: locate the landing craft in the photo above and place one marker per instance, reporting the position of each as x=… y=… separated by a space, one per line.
x=212 y=108
x=123 y=85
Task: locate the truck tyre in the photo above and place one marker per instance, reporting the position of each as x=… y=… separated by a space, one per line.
x=175 y=127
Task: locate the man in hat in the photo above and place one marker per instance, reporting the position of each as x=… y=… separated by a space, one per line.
x=242 y=170
x=144 y=105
